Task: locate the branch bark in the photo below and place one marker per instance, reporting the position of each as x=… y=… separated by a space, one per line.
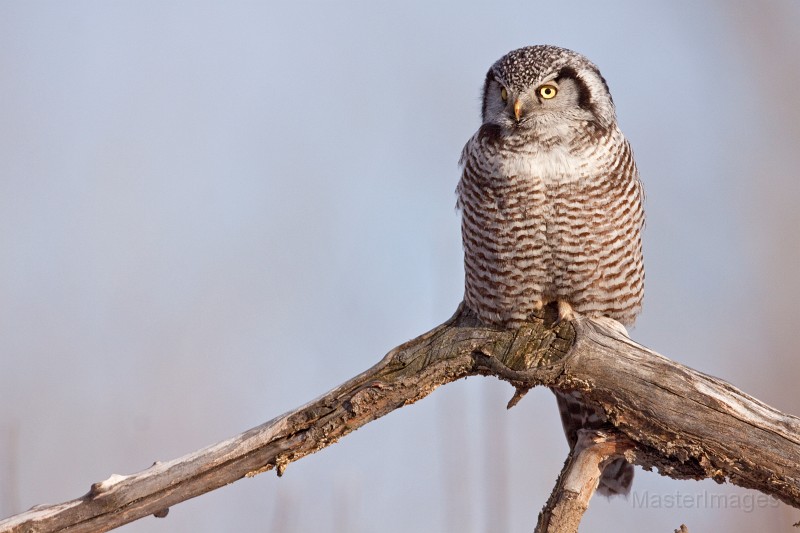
x=579 y=479
x=684 y=423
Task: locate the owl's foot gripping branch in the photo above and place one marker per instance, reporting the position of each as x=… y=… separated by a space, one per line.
x=661 y=415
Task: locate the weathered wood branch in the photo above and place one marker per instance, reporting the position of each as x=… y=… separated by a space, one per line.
x=682 y=422
x=579 y=479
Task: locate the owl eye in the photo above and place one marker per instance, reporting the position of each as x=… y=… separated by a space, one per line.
x=504 y=94
x=548 y=91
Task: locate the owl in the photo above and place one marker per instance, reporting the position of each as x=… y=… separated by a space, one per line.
x=552 y=208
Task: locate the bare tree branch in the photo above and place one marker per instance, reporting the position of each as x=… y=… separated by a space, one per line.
x=579 y=479
x=682 y=422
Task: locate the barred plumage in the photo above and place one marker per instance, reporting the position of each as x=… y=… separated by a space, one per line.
x=551 y=206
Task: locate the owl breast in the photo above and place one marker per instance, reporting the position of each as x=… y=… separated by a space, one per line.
x=542 y=222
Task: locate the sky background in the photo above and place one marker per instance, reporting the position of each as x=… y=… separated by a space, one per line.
x=213 y=212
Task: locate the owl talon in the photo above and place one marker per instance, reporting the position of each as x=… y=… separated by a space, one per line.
x=565 y=312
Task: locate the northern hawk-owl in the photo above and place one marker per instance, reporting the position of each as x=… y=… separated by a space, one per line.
x=551 y=207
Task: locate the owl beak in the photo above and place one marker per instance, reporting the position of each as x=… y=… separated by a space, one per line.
x=517 y=109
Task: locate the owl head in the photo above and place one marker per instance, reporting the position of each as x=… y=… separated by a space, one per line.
x=537 y=86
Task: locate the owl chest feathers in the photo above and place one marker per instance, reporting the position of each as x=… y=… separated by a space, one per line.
x=542 y=222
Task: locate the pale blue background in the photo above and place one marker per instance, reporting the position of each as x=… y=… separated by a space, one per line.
x=213 y=212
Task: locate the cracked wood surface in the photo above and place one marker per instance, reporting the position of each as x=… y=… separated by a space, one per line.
x=682 y=422
x=579 y=479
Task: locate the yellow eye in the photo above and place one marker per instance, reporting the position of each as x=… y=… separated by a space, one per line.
x=547 y=92
x=504 y=94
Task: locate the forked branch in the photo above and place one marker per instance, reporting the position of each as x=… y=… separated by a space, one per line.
x=684 y=423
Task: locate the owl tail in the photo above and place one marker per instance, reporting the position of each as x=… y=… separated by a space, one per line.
x=617 y=476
